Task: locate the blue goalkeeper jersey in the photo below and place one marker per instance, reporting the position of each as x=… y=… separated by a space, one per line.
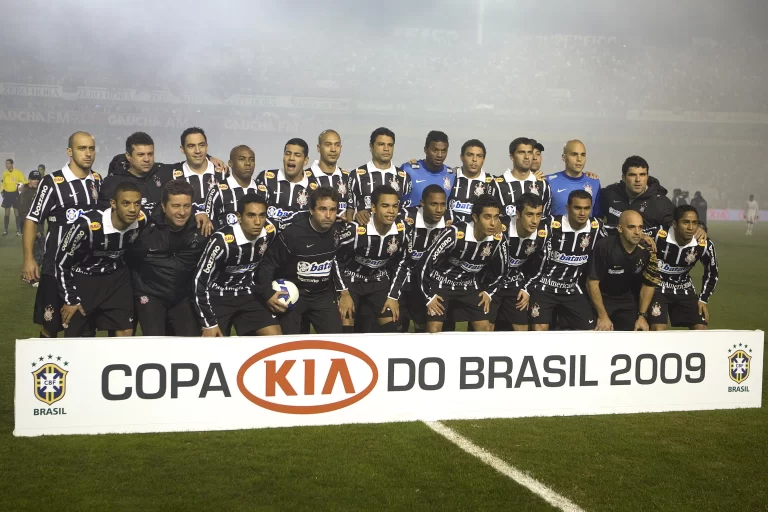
x=562 y=185
x=421 y=178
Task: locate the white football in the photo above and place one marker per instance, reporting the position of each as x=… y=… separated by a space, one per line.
x=283 y=285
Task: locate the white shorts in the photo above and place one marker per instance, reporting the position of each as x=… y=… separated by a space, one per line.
x=751 y=218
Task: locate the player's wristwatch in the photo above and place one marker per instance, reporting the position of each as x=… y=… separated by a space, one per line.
x=644 y=315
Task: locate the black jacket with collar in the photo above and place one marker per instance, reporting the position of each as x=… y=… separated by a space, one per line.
x=151 y=185
x=653 y=204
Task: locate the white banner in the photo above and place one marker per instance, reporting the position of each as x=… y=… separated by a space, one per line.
x=117 y=385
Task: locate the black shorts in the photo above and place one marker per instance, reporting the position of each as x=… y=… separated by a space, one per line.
x=463 y=306
x=375 y=294
x=159 y=319
x=108 y=303
x=681 y=310
x=574 y=311
x=10 y=199
x=247 y=313
x=504 y=308
x=413 y=306
x=322 y=309
x=622 y=311
x=48 y=304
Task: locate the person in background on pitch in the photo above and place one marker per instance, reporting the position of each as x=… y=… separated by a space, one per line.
x=622 y=277
x=431 y=170
x=26 y=197
x=536 y=161
x=574 y=178
x=751 y=214
x=13 y=179
x=163 y=261
x=700 y=204
x=225 y=287
x=304 y=252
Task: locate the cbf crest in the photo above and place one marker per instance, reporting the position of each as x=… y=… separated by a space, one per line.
x=50 y=380
x=738 y=364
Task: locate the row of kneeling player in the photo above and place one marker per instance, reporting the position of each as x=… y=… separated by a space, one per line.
x=117 y=266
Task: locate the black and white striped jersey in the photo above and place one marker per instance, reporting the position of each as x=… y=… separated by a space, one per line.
x=201 y=183
x=508 y=188
x=521 y=252
x=676 y=262
x=338 y=181
x=285 y=198
x=93 y=246
x=565 y=255
x=456 y=260
x=464 y=192
x=367 y=177
x=422 y=235
x=228 y=266
x=366 y=256
x=221 y=201
x=61 y=198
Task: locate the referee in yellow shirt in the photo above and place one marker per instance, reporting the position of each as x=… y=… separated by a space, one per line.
x=12 y=180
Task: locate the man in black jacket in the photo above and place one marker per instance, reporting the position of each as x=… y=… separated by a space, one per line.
x=700 y=204
x=163 y=261
x=640 y=192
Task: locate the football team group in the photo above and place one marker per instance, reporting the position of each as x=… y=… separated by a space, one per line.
x=200 y=247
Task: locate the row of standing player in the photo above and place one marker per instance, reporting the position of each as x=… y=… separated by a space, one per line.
x=382 y=145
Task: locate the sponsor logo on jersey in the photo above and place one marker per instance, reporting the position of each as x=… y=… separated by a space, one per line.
x=371 y=262
x=223 y=186
x=702 y=242
x=313 y=185
x=241 y=269
x=614 y=211
x=269 y=228
x=58 y=180
x=360 y=172
x=409 y=220
x=555 y=224
x=671 y=269
x=96 y=176
x=516 y=262
x=401 y=174
x=95 y=226
x=262 y=188
x=361 y=230
x=229 y=238
x=466 y=266
x=542 y=233
x=278 y=213
x=500 y=179
x=459 y=235
x=400 y=226
x=569 y=259
x=212 y=257
x=662 y=234
x=141 y=215
x=595 y=224
x=314 y=269
x=416 y=255
x=269 y=175
x=178 y=173
x=307 y=174
x=459 y=206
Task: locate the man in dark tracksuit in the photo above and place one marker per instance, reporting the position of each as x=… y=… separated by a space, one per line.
x=163 y=261
x=640 y=192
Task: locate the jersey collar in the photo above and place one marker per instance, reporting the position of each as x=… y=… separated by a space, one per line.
x=373 y=168
x=319 y=173
x=421 y=223
x=480 y=177
x=509 y=177
x=469 y=235
x=70 y=176
x=671 y=238
x=568 y=229
x=512 y=231
x=109 y=228
x=392 y=229
x=232 y=182
x=189 y=172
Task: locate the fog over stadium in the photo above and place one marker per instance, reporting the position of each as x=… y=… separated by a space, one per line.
x=683 y=84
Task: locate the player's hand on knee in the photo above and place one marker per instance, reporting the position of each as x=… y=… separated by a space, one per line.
x=435 y=306
x=604 y=324
x=704 y=311
x=67 y=312
x=276 y=304
x=203 y=223
x=363 y=216
x=522 y=300
x=212 y=332
x=485 y=302
x=394 y=306
x=346 y=306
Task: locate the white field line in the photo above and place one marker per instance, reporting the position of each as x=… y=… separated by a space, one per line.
x=533 y=485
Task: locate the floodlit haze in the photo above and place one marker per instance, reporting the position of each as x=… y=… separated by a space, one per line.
x=683 y=84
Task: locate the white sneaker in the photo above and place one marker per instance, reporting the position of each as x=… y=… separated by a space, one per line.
x=35 y=284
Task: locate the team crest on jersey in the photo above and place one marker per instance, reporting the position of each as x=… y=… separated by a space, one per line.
x=530 y=248
x=94 y=192
x=690 y=256
x=459 y=235
x=95 y=226
x=739 y=366
x=367 y=202
x=48 y=313
x=479 y=189
x=223 y=186
x=584 y=241
x=446 y=183
x=656 y=309
x=595 y=224
x=341 y=188
x=542 y=233
x=486 y=251
x=178 y=173
x=211 y=181
x=556 y=224
x=157 y=182
x=588 y=188
x=361 y=230
x=643 y=206
x=133 y=236
x=231 y=219
x=535 y=311
x=336 y=238
x=50 y=382
x=302 y=198
x=393 y=183
x=313 y=185
x=392 y=246
x=229 y=238
x=143 y=299
x=639 y=266
x=262 y=247
x=270 y=228
x=534 y=189
x=58 y=180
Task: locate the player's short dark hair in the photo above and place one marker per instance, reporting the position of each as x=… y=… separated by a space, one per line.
x=432 y=189
x=485 y=201
x=436 y=136
x=238 y=147
x=537 y=146
x=250 y=198
x=125 y=186
x=473 y=143
x=137 y=139
x=382 y=190
x=190 y=131
x=683 y=209
x=528 y=199
x=634 y=161
x=176 y=188
x=579 y=194
x=520 y=141
x=322 y=193
x=41 y=165
x=382 y=131
x=298 y=142
x=9 y=160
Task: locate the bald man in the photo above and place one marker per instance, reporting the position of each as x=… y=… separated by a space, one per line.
x=574 y=178
x=61 y=198
x=222 y=200
x=623 y=274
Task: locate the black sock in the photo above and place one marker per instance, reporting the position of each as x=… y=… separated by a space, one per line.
x=18 y=224
x=388 y=327
x=348 y=329
x=7 y=220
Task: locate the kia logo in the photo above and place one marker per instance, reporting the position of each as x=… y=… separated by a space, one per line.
x=317 y=382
